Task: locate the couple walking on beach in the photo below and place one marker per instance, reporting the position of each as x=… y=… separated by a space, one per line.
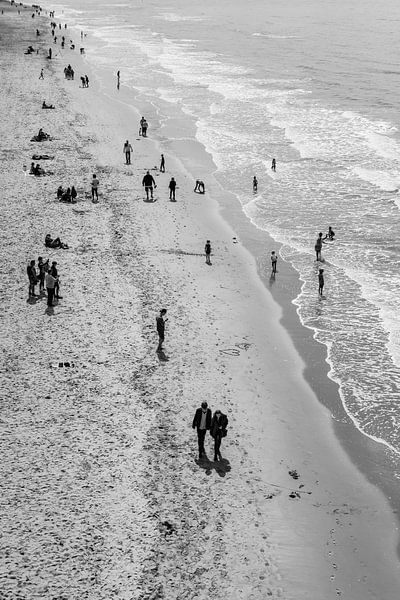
x=216 y=425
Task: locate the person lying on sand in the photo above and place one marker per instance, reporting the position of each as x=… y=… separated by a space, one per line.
x=44 y=105
x=57 y=243
x=42 y=157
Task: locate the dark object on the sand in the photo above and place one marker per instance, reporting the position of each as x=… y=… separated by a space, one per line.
x=44 y=105
x=293 y=473
x=30 y=50
x=36 y=170
x=41 y=136
x=56 y=243
x=42 y=157
x=200 y=188
x=82 y=50
x=50 y=53
x=294 y=495
x=69 y=72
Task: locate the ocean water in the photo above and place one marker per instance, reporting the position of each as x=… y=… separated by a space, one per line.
x=315 y=85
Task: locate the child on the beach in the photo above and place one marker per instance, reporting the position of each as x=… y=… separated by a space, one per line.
x=274 y=260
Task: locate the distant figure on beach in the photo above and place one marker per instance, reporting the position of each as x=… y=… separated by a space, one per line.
x=44 y=105
x=207 y=250
x=273 y=165
x=330 y=235
x=87 y=80
x=162 y=164
x=41 y=76
x=202 y=422
x=56 y=243
x=199 y=187
x=43 y=269
x=50 y=285
x=95 y=185
x=50 y=53
x=53 y=271
x=148 y=182
x=33 y=280
x=143 y=127
x=255 y=184
x=127 y=151
x=219 y=424
x=172 y=187
x=83 y=81
x=318 y=247
x=118 y=79
x=274 y=260
x=73 y=194
x=160 y=322
x=320 y=281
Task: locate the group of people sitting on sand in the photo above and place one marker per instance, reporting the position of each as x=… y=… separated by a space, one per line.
x=68 y=195
x=41 y=136
x=69 y=72
x=30 y=50
x=36 y=170
x=56 y=243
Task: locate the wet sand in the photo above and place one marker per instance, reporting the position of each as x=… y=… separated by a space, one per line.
x=103 y=495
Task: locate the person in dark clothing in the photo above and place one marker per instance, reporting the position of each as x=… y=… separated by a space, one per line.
x=31 y=271
x=127 y=151
x=53 y=271
x=95 y=184
x=50 y=284
x=57 y=243
x=148 y=182
x=207 y=250
x=87 y=81
x=160 y=321
x=73 y=194
x=273 y=165
x=255 y=184
x=43 y=268
x=172 y=187
x=219 y=424
x=330 y=235
x=320 y=281
x=274 y=260
x=162 y=164
x=202 y=421
x=199 y=187
x=318 y=247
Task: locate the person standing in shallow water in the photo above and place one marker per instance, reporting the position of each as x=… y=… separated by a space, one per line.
x=160 y=322
x=321 y=281
x=202 y=422
x=318 y=247
x=274 y=260
x=219 y=424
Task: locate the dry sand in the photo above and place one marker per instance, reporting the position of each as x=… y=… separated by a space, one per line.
x=102 y=495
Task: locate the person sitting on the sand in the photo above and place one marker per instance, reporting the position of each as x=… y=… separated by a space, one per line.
x=66 y=197
x=200 y=187
x=32 y=169
x=60 y=192
x=73 y=194
x=38 y=171
x=42 y=135
x=44 y=105
x=57 y=243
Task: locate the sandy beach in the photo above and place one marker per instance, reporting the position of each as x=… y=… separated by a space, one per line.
x=103 y=495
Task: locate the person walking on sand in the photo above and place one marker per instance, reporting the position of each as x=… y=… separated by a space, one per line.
x=320 y=281
x=162 y=164
x=145 y=125
x=41 y=76
x=274 y=260
x=95 y=185
x=207 y=250
x=172 y=187
x=127 y=150
x=219 y=424
x=54 y=272
x=273 y=165
x=199 y=187
x=86 y=81
x=118 y=79
x=33 y=280
x=160 y=322
x=318 y=247
x=50 y=284
x=148 y=182
x=142 y=120
x=255 y=184
x=202 y=422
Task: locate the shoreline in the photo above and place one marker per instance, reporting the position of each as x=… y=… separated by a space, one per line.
x=250 y=448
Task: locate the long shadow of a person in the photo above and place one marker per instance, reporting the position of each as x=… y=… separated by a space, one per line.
x=222 y=466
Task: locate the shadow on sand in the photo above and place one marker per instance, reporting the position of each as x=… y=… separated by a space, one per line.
x=222 y=466
x=162 y=357
x=150 y=200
